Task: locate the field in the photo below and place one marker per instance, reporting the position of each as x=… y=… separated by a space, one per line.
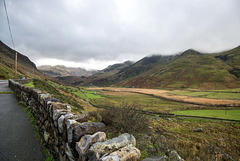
x=144 y=102
x=223 y=114
x=215 y=95
x=166 y=94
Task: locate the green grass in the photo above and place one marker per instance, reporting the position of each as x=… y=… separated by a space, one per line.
x=30 y=84
x=145 y=102
x=223 y=114
x=235 y=90
x=93 y=95
x=232 y=96
x=6 y=92
x=81 y=95
x=215 y=95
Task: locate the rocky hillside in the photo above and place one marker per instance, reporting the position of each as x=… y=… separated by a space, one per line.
x=62 y=71
x=190 y=69
x=105 y=77
x=26 y=68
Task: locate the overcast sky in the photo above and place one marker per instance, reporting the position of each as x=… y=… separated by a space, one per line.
x=96 y=33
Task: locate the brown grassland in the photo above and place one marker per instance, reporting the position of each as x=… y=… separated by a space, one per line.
x=166 y=94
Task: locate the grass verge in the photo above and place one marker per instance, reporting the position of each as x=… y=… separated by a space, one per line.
x=30 y=84
x=6 y=92
x=49 y=156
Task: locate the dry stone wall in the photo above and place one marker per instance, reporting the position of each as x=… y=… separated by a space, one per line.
x=69 y=136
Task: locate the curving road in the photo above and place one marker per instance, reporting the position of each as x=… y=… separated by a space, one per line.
x=18 y=140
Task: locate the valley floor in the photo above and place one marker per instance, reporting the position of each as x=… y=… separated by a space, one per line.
x=173 y=95
x=212 y=139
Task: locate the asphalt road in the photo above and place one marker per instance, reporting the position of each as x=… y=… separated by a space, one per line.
x=18 y=140
x=4 y=86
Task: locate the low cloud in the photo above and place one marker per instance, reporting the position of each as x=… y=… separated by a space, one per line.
x=110 y=31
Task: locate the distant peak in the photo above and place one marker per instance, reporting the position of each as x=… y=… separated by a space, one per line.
x=191 y=51
x=129 y=62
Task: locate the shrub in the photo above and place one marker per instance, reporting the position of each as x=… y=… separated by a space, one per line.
x=94 y=116
x=125 y=119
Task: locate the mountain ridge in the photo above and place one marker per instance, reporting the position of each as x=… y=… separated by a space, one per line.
x=61 y=70
x=188 y=69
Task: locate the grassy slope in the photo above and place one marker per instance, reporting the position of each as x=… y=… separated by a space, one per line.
x=232 y=58
x=192 y=70
x=6 y=72
x=25 y=66
x=107 y=76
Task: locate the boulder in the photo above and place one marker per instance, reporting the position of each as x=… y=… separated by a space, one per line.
x=62 y=121
x=97 y=150
x=124 y=154
x=198 y=130
x=57 y=105
x=81 y=118
x=52 y=100
x=57 y=114
x=46 y=136
x=71 y=124
x=52 y=106
x=44 y=97
x=88 y=140
x=87 y=128
x=173 y=156
x=69 y=153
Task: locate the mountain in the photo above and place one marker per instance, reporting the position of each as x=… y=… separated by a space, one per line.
x=109 y=75
x=189 y=69
x=103 y=77
x=192 y=69
x=26 y=68
x=62 y=71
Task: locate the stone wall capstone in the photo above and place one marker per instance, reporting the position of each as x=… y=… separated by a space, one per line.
x=69 y=136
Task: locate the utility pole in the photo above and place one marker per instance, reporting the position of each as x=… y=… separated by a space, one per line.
x=16 y=66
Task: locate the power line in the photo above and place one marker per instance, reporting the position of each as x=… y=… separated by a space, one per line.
x=10 y=31
x=9 y=27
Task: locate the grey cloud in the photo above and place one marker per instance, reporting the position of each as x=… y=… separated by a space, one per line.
x=110 y=29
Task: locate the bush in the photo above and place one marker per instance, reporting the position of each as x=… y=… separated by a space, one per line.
x=125 y=119
x=94 y=116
